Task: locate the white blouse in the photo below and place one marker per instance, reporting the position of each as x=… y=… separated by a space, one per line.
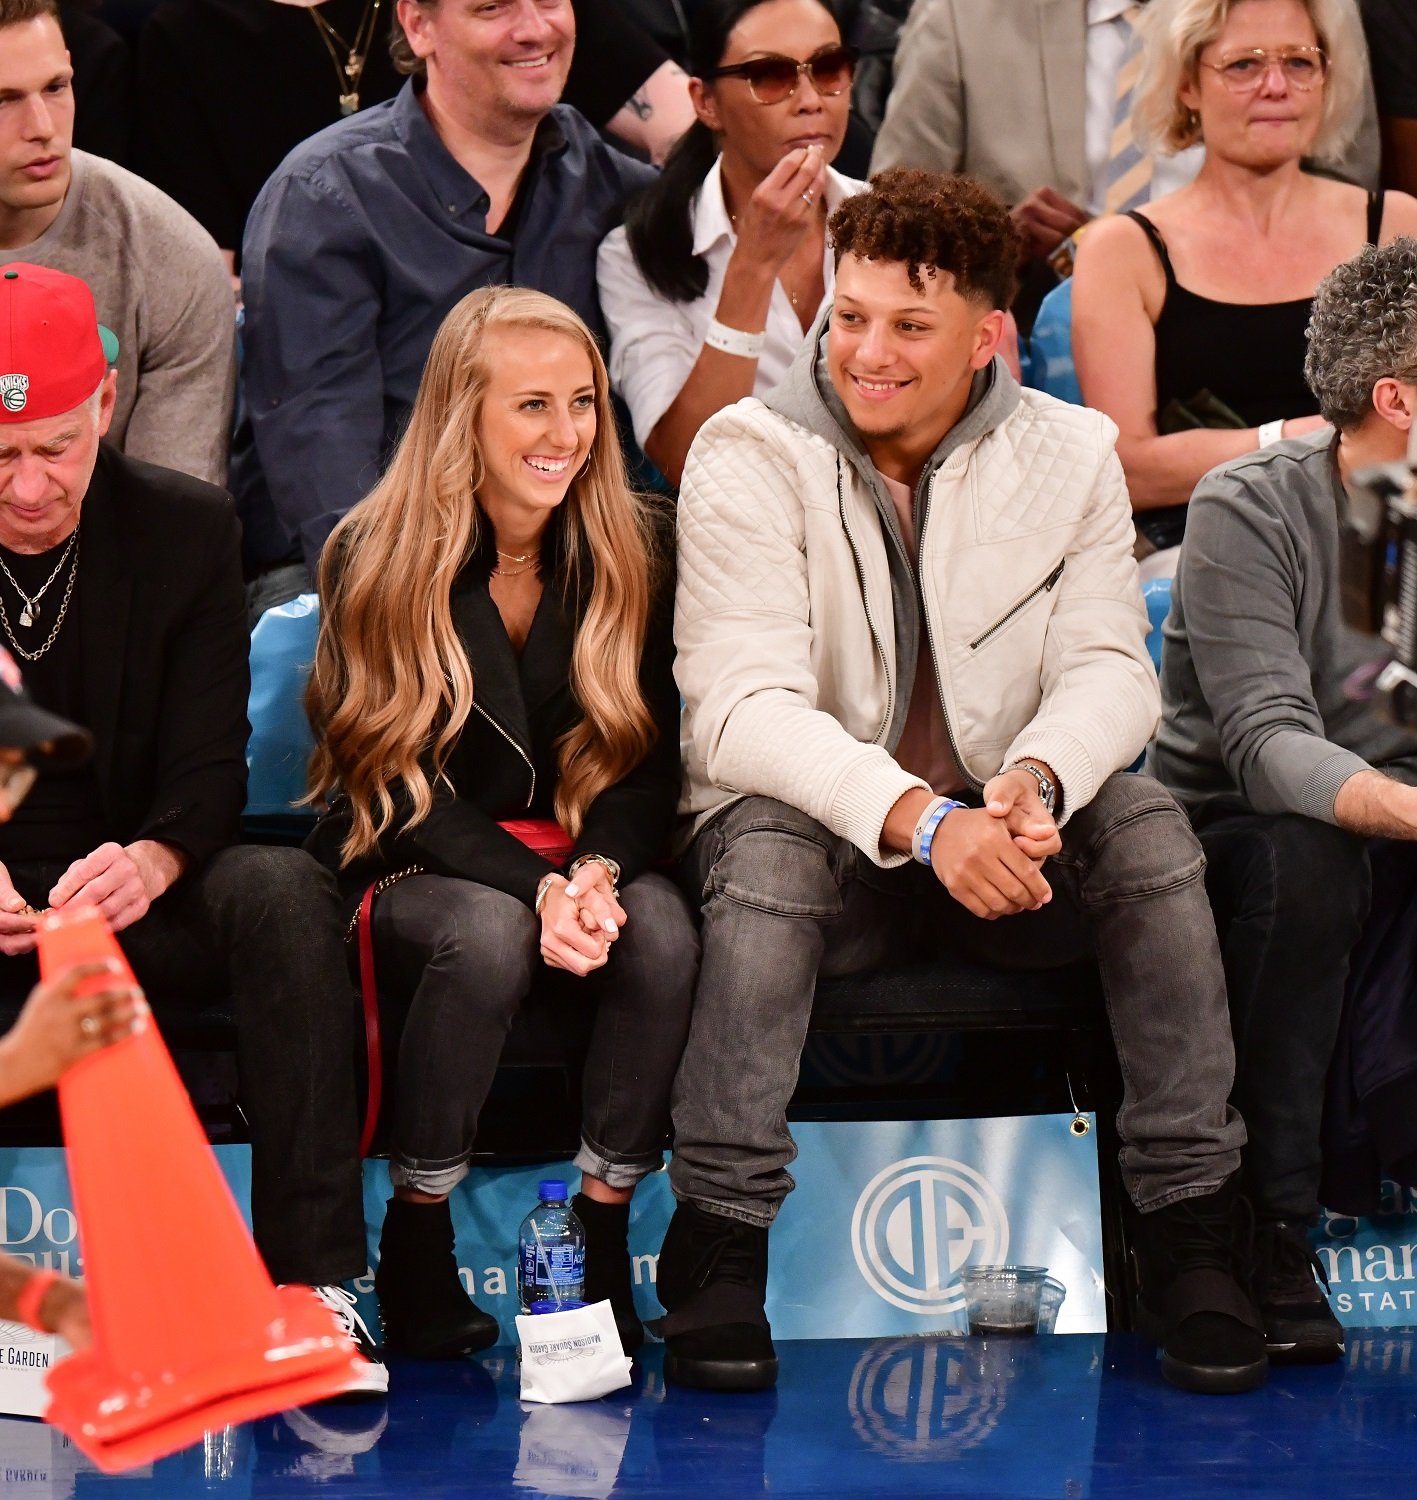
x=654 y=342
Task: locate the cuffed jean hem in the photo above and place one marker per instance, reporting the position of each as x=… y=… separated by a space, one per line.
x=759 y=1215
x=1179 y=1195
x=437 y=1179
x=616 y=1172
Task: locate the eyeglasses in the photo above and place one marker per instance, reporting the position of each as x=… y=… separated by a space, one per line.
x=772 y=79
x=1243 y=72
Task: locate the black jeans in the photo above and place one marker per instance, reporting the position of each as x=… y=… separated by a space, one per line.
x=785 y=901
x=1290 y=896
x=262 y=925
x=462 y=957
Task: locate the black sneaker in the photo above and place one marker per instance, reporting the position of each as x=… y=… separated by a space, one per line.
x=1192 y=1261
x=374 y=1378
x=1299 y=1325
x=713 y=1281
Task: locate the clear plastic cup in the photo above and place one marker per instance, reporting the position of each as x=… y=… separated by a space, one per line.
x=1053 y=1296
x=1003 y=1301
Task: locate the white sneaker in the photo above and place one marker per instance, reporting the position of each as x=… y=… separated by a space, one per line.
x=374 y=1378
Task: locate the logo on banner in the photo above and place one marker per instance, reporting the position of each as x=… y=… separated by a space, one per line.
x=921 y=1400
x=917 y=1223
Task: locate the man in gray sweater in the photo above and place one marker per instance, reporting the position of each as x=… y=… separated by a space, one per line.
x=155 y=273
x=1285 y=772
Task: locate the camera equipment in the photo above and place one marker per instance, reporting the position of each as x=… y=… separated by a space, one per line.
x=1378 y=574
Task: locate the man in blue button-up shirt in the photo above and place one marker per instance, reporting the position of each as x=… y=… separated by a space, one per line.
x=371 y=230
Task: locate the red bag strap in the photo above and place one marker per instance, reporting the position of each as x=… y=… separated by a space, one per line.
x=373 y=1043
x=543 y=835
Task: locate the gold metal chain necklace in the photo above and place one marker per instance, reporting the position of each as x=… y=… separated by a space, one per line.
x=348 y=73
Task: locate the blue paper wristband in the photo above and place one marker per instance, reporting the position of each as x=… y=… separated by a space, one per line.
x=931 y=823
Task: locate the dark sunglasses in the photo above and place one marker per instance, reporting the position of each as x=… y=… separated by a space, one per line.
x=772 y=79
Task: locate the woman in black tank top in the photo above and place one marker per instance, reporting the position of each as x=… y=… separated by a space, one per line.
x=1189 y=316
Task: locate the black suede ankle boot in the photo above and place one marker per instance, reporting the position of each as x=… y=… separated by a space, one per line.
x=425 y=1312
x=607 y=1264
x=713 y=1282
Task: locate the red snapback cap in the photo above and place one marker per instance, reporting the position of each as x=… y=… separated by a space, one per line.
x=53 y=350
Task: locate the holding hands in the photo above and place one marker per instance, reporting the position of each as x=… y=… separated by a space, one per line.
x=580 y=919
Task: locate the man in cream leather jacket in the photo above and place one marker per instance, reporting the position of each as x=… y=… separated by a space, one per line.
x=847 y=707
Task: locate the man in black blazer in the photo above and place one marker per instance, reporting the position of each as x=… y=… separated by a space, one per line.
x=121 y=594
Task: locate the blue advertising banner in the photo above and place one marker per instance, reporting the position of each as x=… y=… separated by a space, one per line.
x=1369 y=1262
x=884 y=1217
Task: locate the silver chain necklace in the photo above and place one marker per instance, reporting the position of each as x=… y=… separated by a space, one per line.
x=29 y=611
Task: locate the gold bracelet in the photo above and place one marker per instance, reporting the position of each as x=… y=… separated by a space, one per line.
x=612 y=868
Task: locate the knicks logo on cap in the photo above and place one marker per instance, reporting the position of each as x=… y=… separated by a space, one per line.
x=14 y=391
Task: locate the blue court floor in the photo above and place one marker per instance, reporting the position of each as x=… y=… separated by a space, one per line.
x=1057 y=1418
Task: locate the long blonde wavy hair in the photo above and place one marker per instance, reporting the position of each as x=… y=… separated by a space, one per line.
x=391 y=687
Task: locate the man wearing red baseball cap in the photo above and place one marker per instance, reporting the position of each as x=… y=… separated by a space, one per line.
x=121 y=596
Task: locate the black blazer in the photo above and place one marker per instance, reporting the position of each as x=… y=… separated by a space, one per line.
x=162 y=616
x=504 y=764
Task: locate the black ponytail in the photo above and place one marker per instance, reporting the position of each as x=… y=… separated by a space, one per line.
x=659 y=226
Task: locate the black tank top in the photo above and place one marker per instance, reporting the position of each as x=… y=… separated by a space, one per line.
x=1249 y=355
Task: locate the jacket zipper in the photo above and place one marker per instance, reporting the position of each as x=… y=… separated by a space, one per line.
x=531 y=795
x=866 y=605
x=1046 y=587
x=964 y=770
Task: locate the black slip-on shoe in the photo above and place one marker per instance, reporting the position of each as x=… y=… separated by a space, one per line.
x=1193 y=1262
x=712 y=1279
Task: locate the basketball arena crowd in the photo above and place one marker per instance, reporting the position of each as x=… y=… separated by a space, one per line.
x=729 y=440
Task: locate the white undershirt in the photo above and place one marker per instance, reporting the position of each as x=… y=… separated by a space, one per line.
x=654 y=343
x=1106 y=46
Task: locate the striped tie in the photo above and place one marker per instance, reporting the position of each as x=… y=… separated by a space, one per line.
x=1128 y=167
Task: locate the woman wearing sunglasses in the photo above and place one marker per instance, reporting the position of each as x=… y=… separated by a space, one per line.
x=722 y=264
x=1189 y=318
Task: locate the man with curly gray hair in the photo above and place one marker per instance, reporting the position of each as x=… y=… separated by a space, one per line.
x=1285 y=774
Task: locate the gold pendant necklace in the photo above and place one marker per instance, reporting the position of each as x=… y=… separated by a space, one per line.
x=349 y=73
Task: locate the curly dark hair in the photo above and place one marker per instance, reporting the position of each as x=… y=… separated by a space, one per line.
x=933 y=222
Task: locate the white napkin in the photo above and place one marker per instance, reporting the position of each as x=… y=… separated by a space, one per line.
x=571 y=1356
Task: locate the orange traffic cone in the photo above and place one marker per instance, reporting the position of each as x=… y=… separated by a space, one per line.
x=189 y=1331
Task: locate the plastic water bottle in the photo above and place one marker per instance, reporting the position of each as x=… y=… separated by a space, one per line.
x=551 y=1254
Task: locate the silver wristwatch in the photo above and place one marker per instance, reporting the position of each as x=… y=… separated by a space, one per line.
x=1046 y=789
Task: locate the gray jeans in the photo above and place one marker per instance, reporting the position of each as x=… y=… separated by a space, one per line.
x=785 y=901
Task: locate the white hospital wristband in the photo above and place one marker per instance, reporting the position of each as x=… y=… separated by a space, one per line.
x=734 y=341
x=1271 y=433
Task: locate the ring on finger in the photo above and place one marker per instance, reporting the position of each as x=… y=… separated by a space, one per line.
x=807 y=196
x=89 y=1027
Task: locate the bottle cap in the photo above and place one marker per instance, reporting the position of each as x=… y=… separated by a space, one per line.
x=551 y=1190
x=547 y=1305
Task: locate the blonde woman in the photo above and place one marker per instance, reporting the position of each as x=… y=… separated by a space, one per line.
x=1189 y=316
x=496 y=644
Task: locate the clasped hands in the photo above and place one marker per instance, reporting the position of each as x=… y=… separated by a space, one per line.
x=580 y=919
x=122 y=881
x=990 y=859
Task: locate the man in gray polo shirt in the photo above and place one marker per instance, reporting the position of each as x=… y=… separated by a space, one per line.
x=1284 y=773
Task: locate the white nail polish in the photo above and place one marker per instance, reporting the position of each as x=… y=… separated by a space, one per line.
x=610 y=925
x=573 y=890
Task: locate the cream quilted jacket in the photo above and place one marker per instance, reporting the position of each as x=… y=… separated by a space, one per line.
x=786 y=651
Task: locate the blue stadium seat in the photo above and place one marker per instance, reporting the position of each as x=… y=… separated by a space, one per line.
x=1051 y=366
x=1157 y=594
x=282 y=652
